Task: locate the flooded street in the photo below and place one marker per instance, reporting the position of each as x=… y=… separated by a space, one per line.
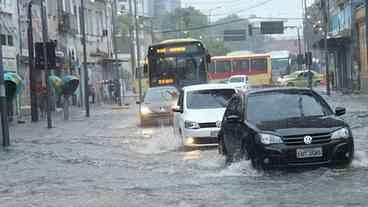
x=109 y=160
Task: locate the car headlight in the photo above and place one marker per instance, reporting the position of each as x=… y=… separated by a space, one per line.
x=268 y=139
x=191 y=125
x=145 y=110
x=342 y=133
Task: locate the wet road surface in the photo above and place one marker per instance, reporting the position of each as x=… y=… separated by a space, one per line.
x=109 y=160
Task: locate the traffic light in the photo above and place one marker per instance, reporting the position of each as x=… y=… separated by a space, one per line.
x=51 y=55
x=250 y=30
x=308 y=58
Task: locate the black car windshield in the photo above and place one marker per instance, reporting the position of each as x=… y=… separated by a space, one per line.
x=209 y=99
x=161 y=94
x=272 y=106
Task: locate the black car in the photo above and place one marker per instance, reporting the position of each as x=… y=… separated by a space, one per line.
x=286 y=127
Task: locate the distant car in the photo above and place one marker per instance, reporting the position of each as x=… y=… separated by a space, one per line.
x=157 y=104
x=300 y=79
x=199 y=112
x=239 y=82
x=286 y=127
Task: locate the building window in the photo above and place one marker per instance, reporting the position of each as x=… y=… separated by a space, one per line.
x=10 y=40
x=3 y=39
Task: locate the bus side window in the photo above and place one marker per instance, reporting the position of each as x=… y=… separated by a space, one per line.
x=211 y=68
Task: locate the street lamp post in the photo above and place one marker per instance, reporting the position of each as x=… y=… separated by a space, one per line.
x=3 y=103
x=85 y=71
x=45 y=38
x=32 y=74
x=325 y=10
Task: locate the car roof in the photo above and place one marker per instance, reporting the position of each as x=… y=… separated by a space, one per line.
x=207 y=87
x=276 y=89
x=238 y=76
x=304 y=71
x=161 y=88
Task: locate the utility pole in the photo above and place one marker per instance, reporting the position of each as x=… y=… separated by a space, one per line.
x=131 y=37
x=85 y=71
x=32 y=78
x=139 y=71
x=366 y=34
x=45 y=38
x=3 y=102
x=152 y=32
x=299 y=50
x=306 y=43
x=115 y=65
x=325 y=10
x=19 y=57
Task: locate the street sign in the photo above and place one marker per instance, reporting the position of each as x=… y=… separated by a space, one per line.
x=272 y=27
x=235 y=35
x=51 y=55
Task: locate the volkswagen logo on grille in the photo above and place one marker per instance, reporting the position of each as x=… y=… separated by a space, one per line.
x=308 y=140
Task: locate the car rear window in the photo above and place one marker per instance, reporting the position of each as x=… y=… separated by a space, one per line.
x=272 y=106
x=208 y=99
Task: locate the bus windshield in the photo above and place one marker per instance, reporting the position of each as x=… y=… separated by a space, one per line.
x=182 y=69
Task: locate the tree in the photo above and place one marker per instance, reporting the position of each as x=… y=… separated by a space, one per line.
x=180 y=23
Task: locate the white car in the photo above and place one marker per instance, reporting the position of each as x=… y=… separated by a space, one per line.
x=199 y=112
x=239 y=82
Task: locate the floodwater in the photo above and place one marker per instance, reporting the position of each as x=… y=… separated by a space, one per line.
x=110 y=160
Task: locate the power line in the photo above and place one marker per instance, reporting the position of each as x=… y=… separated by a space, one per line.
x=225 y=23
x=246 y=9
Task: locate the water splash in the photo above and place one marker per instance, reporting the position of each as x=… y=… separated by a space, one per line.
x=237 y=169
x=157 y=140
x=360 y=159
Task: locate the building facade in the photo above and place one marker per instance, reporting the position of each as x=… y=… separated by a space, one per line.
x=64 y=27
x=9 y=34
x=346 y=43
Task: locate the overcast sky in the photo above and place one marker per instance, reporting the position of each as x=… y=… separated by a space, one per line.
x=245 y=8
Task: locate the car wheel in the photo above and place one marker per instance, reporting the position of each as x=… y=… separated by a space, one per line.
x=221 y=147
x=317 y=83
x=290 y=84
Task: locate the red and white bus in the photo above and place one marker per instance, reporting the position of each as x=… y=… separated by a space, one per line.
x=256 y=66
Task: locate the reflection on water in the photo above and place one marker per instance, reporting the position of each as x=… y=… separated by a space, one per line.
x=156 y=140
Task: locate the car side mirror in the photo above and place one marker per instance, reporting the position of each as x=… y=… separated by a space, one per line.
x=233 y=118
x=177 y=109
x=339 y=111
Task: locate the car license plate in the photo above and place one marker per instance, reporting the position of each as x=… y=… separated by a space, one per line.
x=214 y=133
x=309 y=152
